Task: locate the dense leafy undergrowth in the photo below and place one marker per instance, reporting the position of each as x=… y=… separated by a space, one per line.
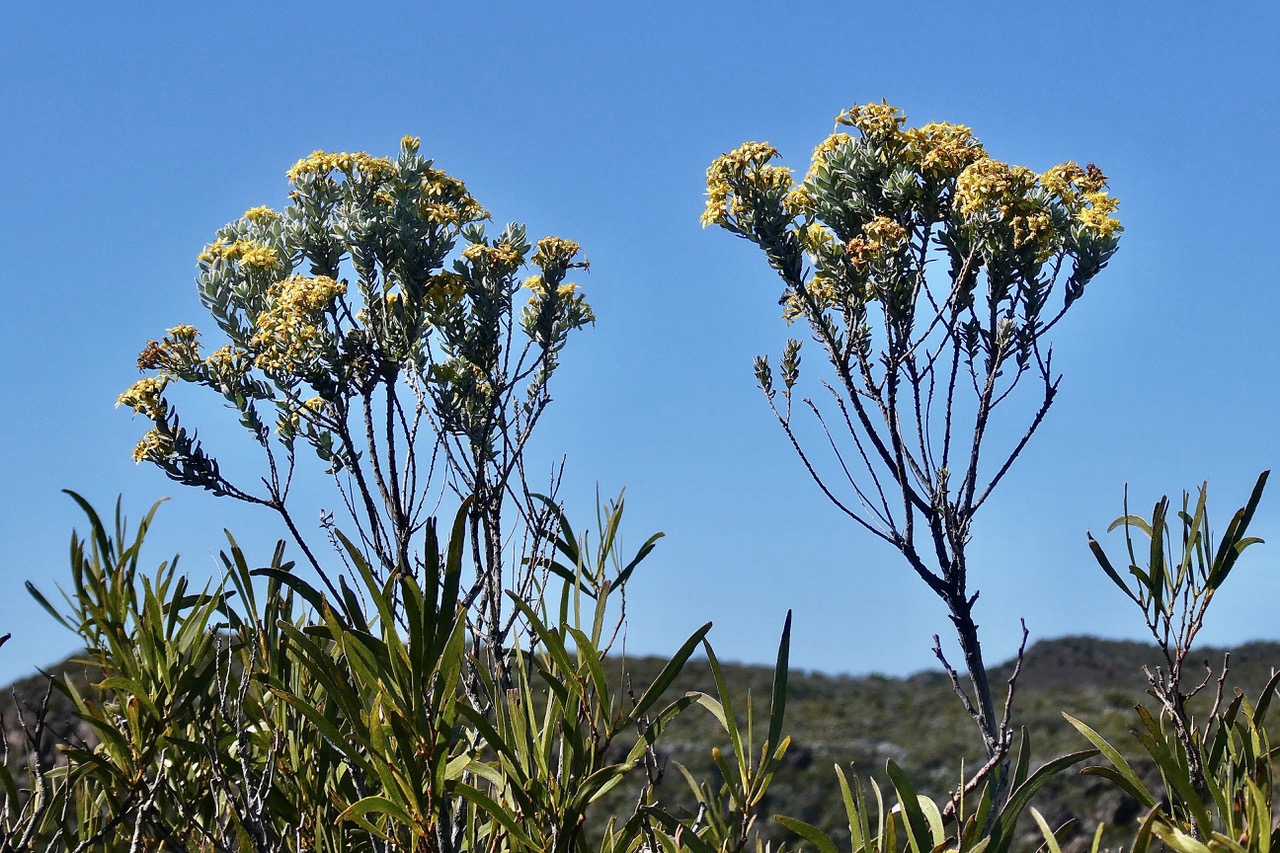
x=860 y=722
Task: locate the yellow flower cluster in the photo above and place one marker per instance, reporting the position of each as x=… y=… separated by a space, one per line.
x=1018 y=195
x=410 y=144
x=537 y=285
x=880 y=237
x=311 y=410
x=943 y=150
x=446 y=199
x=228 y=361
x=822 y=152
x=1084 y=192
x=446 y=289
x=499 y=257
x=815 y=238
x=152 y=447
x=321 y=163
x=990 y=184
x=262 y=213
x=249 y=254
x=555 y=255
x=748 y=164
x=885 y=232
x=1068 y=179
x=287 y=330
x=1097 y=216
x=876 y=121
x=145 y=397
x=177 y=351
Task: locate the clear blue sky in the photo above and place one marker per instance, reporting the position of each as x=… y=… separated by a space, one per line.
x=131 y=133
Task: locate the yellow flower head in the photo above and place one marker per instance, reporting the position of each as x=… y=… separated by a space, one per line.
x=183 y=333
x=989 y=184
x=446 y=200
x=943 y=150
x=290 y=330
x=1070 y=180
x=1096 y=216
x=746 y=169
x=410 y=144
x=228 y=361
x=249 y=254
x=145 y=397
x=555 y=255
x=878 y=122
x=261 y=213
x=499 y=257
x=153 y=446
x=323 y=164
x=886 y=233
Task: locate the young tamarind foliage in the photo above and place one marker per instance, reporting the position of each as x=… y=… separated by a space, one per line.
x=930 y=274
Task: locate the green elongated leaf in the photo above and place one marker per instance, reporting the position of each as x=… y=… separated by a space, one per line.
x=1050 y=839
x=1129 y=520
x=1222 y=735
x=373 y=589
x=376 y=805
x=567 y=543
x=587 y=653
x=644 y=551
x=1174 y=770
x=664 y=679
x=735 y=782
x=352 y=605
x=809 y=833
x=128 y=686
x=778 y=702
x=308 y=593
x=1178 y=840
x=349 y=744
x=1233 y=541
x=1142 y=841
x=1265 y=697
x=9 y=785
x=855 y=810
x=917 y=825
x=1022 y=763
x=695 y=842
x=1156 y=564
x=49 y=608
x=493 y=810
x=1116 y=778
x=1003 y=836
x=1105 y=563
x=659 y=723
x=449 y=668
x=1128 y=779
x=453 y=571
x=725 y=717
x=109 y=735
x=934 y=816
x=487 y=732
x=549 y=637
x=598 y=784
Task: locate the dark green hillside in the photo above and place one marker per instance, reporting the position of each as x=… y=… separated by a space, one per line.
x=861 y=722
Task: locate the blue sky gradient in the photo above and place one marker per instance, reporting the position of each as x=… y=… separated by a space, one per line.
x=131 y=135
